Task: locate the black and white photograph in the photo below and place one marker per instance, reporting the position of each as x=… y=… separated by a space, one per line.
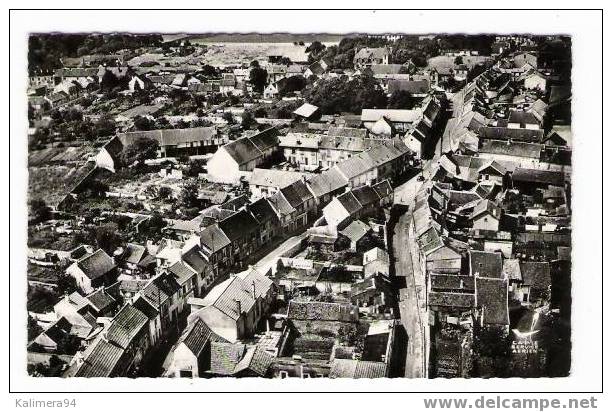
x=279 y=205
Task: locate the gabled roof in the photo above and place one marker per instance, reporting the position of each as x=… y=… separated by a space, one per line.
x=197 y=335
x=357 y=369
x=327 y=182
x=96 y=265
x=100 y=300
x=125 y=326
x=452 y=299
x=505 y=133
x=536 y=274
x=262 y=210
x=410 y=86
x=134 y=253
x=160 y=289
x=393 y=115
x=492 y=299
x=225 y=356
x=173 y=137
x=354 y=132
x=102 y=360
x=256 y=360
x=349 y=202
x=213 y=238
x=181 y=272
x=366 y=195
x=355 y=230
x=322 y=311
x=488 y=207
x=383 y=189
x=306 y=110
x=239 y=225
x=250 y=148
x=485 y=264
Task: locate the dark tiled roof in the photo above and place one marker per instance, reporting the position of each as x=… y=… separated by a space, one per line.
x=101 y=362
x=366 y=195
x=451 y=299
x=239 y=225
x=349 y=202
x=486 y=264
x=134 y=253
x=213 y=238
x=492 y=298
x=357 y=369
x=160 y=289
x=327 y=182
x=504 y=133
x=536 y=274
x=196 y=336
x=452 y=282
x=410 y=86
x=262 y=211
x=181 y=272
x=256 y=360
x=322 y=311
x=225 y=356
x=97 y=264
x=348 y=132
x=126 y=325
x=100 y=299
x=539 y=176
x=195 y=259
x=145 y=307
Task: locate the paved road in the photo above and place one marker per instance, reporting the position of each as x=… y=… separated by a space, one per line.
x=408 y=300
x=268 y=261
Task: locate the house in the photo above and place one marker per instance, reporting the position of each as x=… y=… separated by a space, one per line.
x=357 y=369
x=368 y=56
x=376 y=261
x=519 y=119
x=401 y=119
x=118 y=350
x=307 y=111
x=191 y=355
x=265 y=215
x=485 y=264
x=355 y=232
x=373 y=295
x=178 y=142
x=326 y=185
x=164 y=294
x=233 y=308
x=136 y=260
x=217 y=248
x=416 y=88
x=486 y=215
x=302 y=150
x=266 y=182
x=353 y=204
x=231 y=160
x=492 y=302
x=270 y=91
x=93 y=270
x=242 y=231
x=536 y=282
x=535 y=80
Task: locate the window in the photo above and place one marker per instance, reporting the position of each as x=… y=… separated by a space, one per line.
x=283 y=374
x=186 y=374
x=305 y=375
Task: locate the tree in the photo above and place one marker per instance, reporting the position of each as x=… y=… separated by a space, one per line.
x=107 y=237
x=209 y=71
x=109 y=80
x=258 y=77
x=39 y=210
x=315 y=47
x=247 y=120
x=492 y=349
x=458 y=60
x=141 y=149
x=189 y=194
x=228 y=117
x=291 y=84
x=401 y=99
x=164 y=192
x=143 y=123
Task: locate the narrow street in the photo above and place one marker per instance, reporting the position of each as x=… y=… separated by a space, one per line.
x=268 y=261
x=410 y=313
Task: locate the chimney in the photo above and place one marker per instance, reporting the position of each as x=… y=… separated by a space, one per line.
x=253 y=290
x=238 y=306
